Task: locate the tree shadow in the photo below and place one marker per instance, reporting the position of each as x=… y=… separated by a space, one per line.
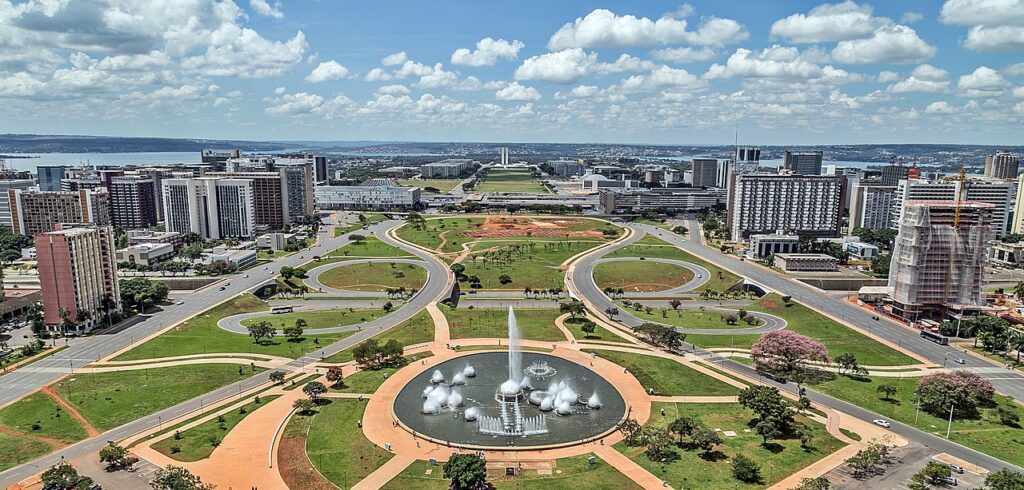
x=774 y=447
x=714 y=456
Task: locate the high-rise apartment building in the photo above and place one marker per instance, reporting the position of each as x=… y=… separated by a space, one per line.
x=8 y=183
x=212 y=207
x=799 y=204
x=1002 y=165
x=802 y=162
x=77 y=274
x=892 y=174
x=1001 y=194
x=35 y=212
x=268 y=190
x=705 y=172
x=297 y=190
x=50 y=177
x=939 y=258
x=132 y=202
x=871 y=205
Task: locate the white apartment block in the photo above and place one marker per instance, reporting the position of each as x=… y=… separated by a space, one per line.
x=212 y=207
x=871 y=206
x=366 y=197
x=796 y=204
x=1001 y=194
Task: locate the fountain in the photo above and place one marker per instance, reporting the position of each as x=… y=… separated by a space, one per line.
x=594 y=402
x=469 y=372
x=459 y=379
x=437 y=377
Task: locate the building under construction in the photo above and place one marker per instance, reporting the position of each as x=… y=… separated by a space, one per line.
x=939 y=259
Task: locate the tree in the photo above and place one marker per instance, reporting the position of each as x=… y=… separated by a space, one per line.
x=631 y=431
x=588 y=328
x=745 y=469
x=659 y=444
x=277 y=377
x=611 y=311
x=683 y=427
x=178 y=478
x=847 y=362
x=192 y=252
x=287 y=272
x=786 y=354
x=1008 y=417
x=466 y=471
x=370 y=354
x=963 y=390
x=142 y=293
x=116 y=457
x=458 y=269
x=887 y=391
x=313 y=390
x=767 y=403
x=1018 y=289
x=934 y=472
x=505 y=279
x=675 y=304
x=293 y=332
x=357 y=239
x=1004 y=479
x=819 y=483
x=769 y=428
x=261 y=330
x=787 y=300
x=61 y=476
x=303 y=406
x=387 y=307
x=573 y=308
x=705 y=440
x=335 y=375
x=660 y=335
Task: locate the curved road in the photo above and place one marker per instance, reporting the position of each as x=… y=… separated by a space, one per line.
x=313 y=280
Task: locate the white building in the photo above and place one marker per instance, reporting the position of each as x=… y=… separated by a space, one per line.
x=275 y=241
x=797 y=204
x=763 y=245
x=211 y=207
x=1000 y=194
x=366 y=197
x=145 y=253
x=861 y=250
x=446 y=169
x=871 y=206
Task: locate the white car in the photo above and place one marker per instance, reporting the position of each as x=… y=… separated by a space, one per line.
x=882 y=423
x=180 y=303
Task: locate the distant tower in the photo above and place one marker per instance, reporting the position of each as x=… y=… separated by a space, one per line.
x=504 y=155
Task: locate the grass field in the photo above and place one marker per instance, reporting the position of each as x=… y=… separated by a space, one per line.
x=17 y=450
x=985 y=434
x=654 y=247
x=600 y=333
x=430 y=234
x=201 y=335
x=337 y=448
x=667 y=377
x=370 y=247
x=371 y=218
x=374 y=277
x=40 y=409
x=367 y=381
x=510 y=181
x=574 y=472
x=688 y=318
x=535 y=263
x=416 y=330
x=108 y=400
x=336 y=317
x=777 y=461
x=534 y=324
x=640 y=275
x=195 y=443
x=443 y=185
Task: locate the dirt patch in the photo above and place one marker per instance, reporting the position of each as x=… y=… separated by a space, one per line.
x=771 y=304
x=49 y=441
x=89 y=429
x=505 y=226
x=295 y=468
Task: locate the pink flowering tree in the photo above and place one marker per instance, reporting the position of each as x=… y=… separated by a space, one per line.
x=962 y=390
x=784 y=353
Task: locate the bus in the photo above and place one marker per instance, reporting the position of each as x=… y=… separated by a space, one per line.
x=934 y=337
x=281 y=309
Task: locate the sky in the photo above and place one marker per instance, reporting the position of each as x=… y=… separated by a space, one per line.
x=651 y=72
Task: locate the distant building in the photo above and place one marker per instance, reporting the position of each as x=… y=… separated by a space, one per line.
x=132 y=202
x=806 y=262
x=567 y=168
x=212 y=207
x=241 y=259
x=145 y=253
x=446 y=169
x=77 y=274
x=1002 y=165
x=136 y=237
x=297 y=180
x=275 y=241
x=1008 y=254
x=861 y=250
x=367 y=197
x=218 y=158
x=797 y=204
x=50 y=177
x=763 y=245
x=892 y=174
x=705 y=172
x=802 y=162
x=5 y=198
x=634 y=200
x=39 y=212
x=595 y=182
x=871 y=205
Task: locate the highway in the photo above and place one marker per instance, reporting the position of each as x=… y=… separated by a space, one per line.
x=582 y=282
x=89 y=349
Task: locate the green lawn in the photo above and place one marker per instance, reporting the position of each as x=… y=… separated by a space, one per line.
x=985 y=434
x=600 y=333
x=375 y=277
x=777 y=461
x=38 y=408
x=689 y=318
x=640 y=275
x=667 y=377
x=201 y=335
x=370 y=247
x=533 y=263
x=367 y=381
x=429 y=234
x=416 y=330
x=17 y=450
x=653 y=247
x=534 y=324
x=335 y=317
x=195 y=443
x=337 y=448
x=109 y=400
x=370 y=219
x=510 y=181
x=574 y=472
x=443 y=185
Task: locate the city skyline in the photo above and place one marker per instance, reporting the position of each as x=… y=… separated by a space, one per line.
x=658 y=73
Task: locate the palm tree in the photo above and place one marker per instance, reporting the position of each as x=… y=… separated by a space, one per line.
x=1016 y=341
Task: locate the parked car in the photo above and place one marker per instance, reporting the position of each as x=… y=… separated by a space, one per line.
x=882 y=423
x=959 y=361
x=948 y=480
x=956 y=468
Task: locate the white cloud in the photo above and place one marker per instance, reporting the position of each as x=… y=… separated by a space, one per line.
x=887 y=76
x=303 y=103
x=246 y=54
x=939 y=107
x=20 y=85
x=996 y=25
x=437 y=77
x=393 y=89
x=264 y=8
x=488 y=51
x=984 y=81
x=377 y=75
x=929 y=72
x=472 y=83
x=623 y=63
x=603 y=28
x=584 y=91
x=914 y=84
x=1019 y=92
x=1016 y=69
x=327 y=71
x=683 y=55
x=394 y=59
x=995 y=39
x=559 y=67
x=662 y=77
x=888 y=44
x=776 y=62
x=911 y=18
x=829 y=22
x=515 y=91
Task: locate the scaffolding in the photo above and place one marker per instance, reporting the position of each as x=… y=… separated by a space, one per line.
x=939 y=258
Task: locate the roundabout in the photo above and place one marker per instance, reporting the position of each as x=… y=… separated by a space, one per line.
x=325 y=277
x=698 y=275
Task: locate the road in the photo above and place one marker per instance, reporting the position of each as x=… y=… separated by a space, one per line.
x=584 y=286
x=89 y=349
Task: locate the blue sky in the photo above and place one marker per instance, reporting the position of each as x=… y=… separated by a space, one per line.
x=787 y=72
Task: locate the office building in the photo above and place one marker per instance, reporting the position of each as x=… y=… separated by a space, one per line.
x=297 y=190
x=212 y=207
x=1002 y=165
x=802 y=162
x=8 y=184
x=635 y=200
x=446 y=169
x=567 y=168
x=383 y=197
x=145 y=253
x=34 y=212
x=268 y=189
x=50 y=177
x=871 y=205
x=77 y=273
x=806 y=262
x=999 y=193
x=1008 y=254
x=132 y=202
x=217 y=159
x=763 y=245
x=661 y=176
x=704 y=172
x=939 y=258
x=136 y=237
x=503 y=155
x=796 y=204
x=275 y=241
x=861 y=250
x=892 y=174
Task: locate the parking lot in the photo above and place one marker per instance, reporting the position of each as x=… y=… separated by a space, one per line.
x=905 y=462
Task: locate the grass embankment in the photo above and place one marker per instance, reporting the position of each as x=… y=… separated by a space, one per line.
x=688 y=318
x=375 y=277
x=337 y=447
x=575 y=325
x=367 y=381
x=574 y=472
x=641 y=275
x=534 y=324
x=38 y=415
x=335 y=317
x=416 y=330
x=667 y=377
x=510 y=181
x=435 y=232
x=533 y=263
x=201 y=335
x=369 y=247
x=198 y=442
x=779 y=459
